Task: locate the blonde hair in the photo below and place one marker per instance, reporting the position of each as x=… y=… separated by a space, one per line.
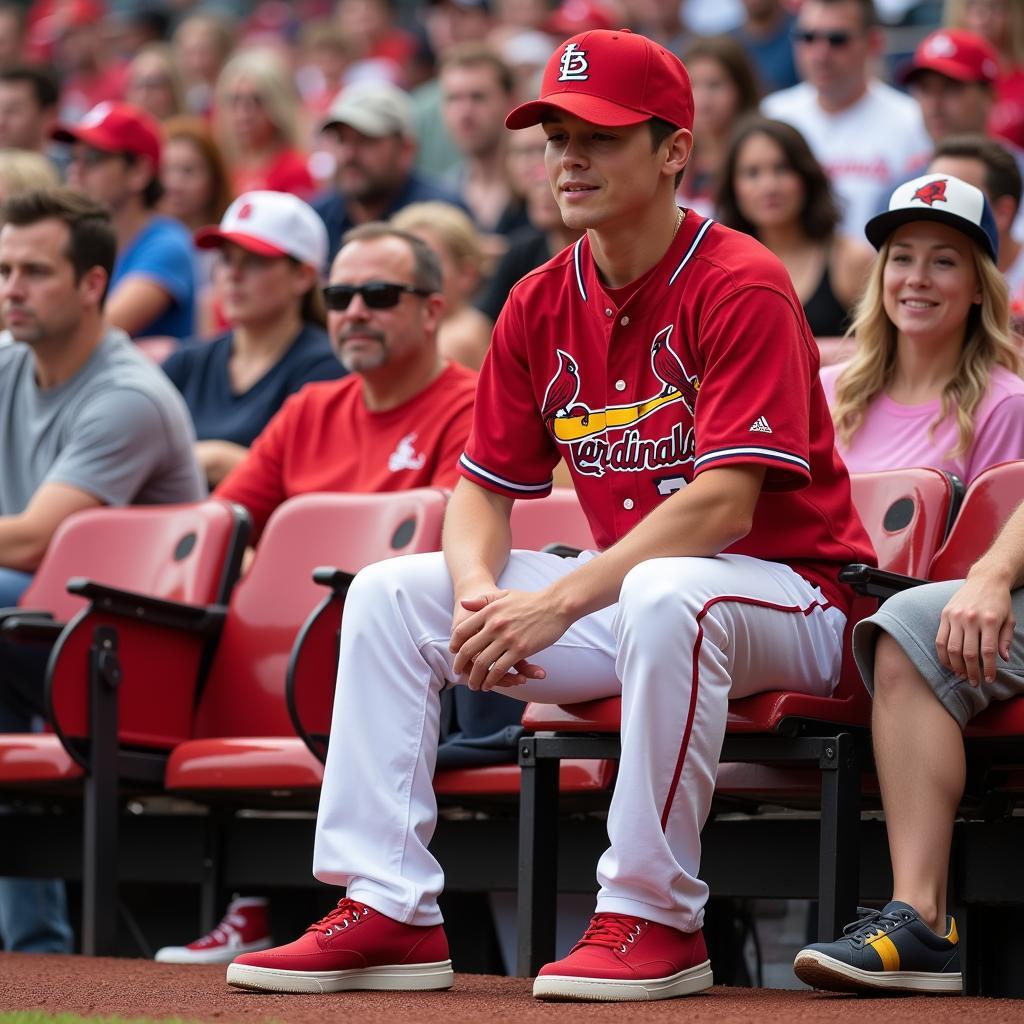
x=164 y=54
x=24 y=169
x=452 y=226
x=955 y=18
x=987 y=343
x=270 y=77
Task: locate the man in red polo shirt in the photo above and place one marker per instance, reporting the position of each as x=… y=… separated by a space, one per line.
x=401 y=417
x=668 y=360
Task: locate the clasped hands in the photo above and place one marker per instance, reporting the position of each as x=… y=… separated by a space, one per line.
x=495 y=631
x=976 y=627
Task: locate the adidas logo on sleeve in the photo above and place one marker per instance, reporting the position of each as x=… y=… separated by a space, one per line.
x=760 y=426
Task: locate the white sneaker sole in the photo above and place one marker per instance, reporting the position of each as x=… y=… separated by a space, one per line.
x=825 y=972
x=223 y=955
x=391 y=978
x=685 y=983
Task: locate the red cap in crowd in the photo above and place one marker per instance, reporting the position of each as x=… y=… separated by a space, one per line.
x=573 y=16
x=957 y=54
x=115 y=128
x=613 y=78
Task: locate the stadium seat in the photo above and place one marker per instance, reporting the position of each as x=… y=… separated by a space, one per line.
x=907 y=514
x=114 y=581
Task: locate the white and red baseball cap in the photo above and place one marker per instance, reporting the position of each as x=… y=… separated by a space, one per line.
x=942 y=198
x=271 y=224
x=115 y=128
x=614 y=78
x=957 y=54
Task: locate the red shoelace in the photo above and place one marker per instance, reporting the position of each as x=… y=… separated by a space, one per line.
x=616 y=931
x=345 y=913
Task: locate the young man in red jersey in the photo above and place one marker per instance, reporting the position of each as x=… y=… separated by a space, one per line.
x=667 y=360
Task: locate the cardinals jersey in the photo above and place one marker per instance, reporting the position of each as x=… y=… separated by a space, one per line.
x=705 y=361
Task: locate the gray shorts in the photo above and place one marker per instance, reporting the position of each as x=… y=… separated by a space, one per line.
x=911 y=618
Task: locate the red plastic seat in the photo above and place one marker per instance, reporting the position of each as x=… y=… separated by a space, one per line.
x=243 y=705
x=556 y=519
x=187 y=553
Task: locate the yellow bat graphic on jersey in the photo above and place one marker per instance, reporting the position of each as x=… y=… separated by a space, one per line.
x=577 y=428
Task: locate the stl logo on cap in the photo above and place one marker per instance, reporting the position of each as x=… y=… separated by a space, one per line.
x=574 y=64
x=931 y=193
x=940 y=46
x=97 y=115
x=245 y=211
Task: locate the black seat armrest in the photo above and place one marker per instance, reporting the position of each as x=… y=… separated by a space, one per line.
x=334 y=579
x=873 y=582
x=29 y=626
x=562 y=550
x=142 y=608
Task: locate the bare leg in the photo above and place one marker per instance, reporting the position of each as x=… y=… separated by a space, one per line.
x=919 y=753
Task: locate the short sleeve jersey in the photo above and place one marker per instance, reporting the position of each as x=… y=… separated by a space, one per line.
x=706 y=361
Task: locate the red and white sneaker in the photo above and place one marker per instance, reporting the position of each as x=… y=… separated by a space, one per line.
x=353 y=947
x=244 y=929
x=624 y=958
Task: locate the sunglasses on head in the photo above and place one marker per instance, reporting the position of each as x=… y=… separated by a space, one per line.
x=376 y=294
x=834 y=39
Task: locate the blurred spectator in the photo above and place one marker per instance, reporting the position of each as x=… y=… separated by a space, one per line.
x=116 y=161
x=476 y=94
x=988 y=165
x=72 y=33
x=380 y=44
x=197 y=191
x=724 y=90
x=154 y=82
x=202 y=44
x=22 y=170
x=571 y=17
x=465 y=332
x=935 y=379
x=775 y=190
x=546 y=235
x=369 y=133
x=660 y=20
x=85 y=420
x=28 y=106
x=272 y=249
x=447 y=23
x=1001 y=22
x=324 y=58
x=12 y=34
x=766 y=35
x=863 y=132
x=257 y=124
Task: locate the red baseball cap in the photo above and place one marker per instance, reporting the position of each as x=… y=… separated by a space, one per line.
x=115 y=128
x=954 y=53
x=573 y=16
x=614 y=78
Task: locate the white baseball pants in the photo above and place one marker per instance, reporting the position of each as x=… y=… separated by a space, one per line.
x=685 y=636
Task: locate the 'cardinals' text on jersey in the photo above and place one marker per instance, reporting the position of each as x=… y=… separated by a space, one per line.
x=706 y=361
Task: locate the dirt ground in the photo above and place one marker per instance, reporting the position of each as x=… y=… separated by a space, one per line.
x=141 y=988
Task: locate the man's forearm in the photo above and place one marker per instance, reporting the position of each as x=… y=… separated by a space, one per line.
x=707 y=517
x=477 y=538
x=21 y=547
x=1004 y=560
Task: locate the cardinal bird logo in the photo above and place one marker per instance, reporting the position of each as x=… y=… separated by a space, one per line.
x=931 y=193
x=563 y=390
x=669 y=369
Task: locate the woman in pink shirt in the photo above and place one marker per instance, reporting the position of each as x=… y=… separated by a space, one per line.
x=935 y=380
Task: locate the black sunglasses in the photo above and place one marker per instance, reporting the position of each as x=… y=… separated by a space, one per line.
x=834 y=39
x=376 y=294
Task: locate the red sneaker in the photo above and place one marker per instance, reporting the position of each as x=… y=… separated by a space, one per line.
x=244 y=929
x=353 y=947
x=623 y=958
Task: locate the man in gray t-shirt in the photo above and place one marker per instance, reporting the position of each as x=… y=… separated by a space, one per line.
x=85 y=420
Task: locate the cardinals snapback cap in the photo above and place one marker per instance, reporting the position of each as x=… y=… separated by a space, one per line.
x=271 y=224
x=943 y=198
x=115 y=128
x=613 y=78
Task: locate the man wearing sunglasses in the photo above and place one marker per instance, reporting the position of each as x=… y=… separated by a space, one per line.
x=863 y=132
x=401 y=417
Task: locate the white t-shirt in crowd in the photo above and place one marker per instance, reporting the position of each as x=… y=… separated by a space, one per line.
x=863 y=147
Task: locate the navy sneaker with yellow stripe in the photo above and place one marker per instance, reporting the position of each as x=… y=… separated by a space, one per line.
x=888 y=950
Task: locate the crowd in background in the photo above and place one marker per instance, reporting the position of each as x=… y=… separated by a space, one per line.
x=239 y=147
